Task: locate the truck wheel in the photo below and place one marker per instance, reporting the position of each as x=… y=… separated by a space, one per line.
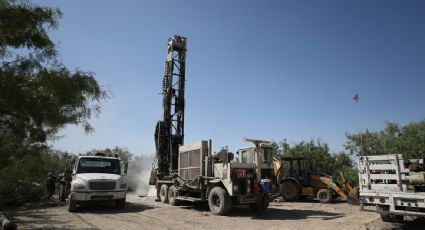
x=262 y=204
x=219 y=201
x=384 y=217
x=396 y=218
x=324 y=196
x=72 y=206
x=290 y=191
x=163 y=193
x=172 y=194
x=120 y=203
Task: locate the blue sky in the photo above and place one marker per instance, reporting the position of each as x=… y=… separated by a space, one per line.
x=261 y=69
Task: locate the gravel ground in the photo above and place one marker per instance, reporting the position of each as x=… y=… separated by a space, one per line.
x=145 y=213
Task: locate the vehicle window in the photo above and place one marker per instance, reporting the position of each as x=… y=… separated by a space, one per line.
x=296 y=168
x=268 y=155
x=98 y=165
x=248 y=156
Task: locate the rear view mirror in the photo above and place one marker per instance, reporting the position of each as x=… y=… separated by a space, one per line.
x=124 y=166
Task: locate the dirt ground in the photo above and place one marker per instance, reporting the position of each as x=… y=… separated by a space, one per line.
x=145 y=213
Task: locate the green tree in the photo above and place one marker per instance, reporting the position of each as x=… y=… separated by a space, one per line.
x=38 y=94
x=26 y=177
x=408 y=140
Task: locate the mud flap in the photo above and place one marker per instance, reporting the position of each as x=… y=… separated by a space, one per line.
x=153 y=178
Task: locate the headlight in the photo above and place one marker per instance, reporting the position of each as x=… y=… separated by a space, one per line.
x=124 y=185
x=78 y=186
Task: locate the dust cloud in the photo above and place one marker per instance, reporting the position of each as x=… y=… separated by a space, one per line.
x=138 y=173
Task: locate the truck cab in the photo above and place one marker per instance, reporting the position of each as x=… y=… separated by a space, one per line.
x=247 y=155
x=97 y=179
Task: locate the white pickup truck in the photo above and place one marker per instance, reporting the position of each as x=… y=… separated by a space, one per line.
x=393 y=185
x=97 y=178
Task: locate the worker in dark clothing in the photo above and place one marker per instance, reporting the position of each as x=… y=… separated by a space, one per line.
x=50 y=185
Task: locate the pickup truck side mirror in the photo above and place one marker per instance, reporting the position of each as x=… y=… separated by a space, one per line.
x=124 y=166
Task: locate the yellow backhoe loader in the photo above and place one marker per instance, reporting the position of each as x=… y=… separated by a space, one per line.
x=298 y=181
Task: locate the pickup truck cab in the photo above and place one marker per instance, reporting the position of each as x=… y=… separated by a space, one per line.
x=97 y=178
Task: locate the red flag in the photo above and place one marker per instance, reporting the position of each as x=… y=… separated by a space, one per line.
x=356 y=98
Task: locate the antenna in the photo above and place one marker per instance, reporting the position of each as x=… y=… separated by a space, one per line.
x=356 y=99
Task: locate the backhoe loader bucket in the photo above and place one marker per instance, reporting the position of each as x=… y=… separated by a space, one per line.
x=353 y=197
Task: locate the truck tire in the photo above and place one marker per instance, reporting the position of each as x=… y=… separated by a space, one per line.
x=324 y=196
x=172 y=194
x=396 y=218
x=72 y=206
x=384 y=217
x=290 y=191
x=120 y=203
x=262 y=204
x=163 y=193
x=219 y=201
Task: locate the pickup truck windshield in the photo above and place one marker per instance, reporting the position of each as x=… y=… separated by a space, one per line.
x=99 y=165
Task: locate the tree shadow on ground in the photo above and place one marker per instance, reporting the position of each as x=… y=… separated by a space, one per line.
x=95 y=207
x=35 y=216
x=35 y=220
x=270 y=214
x=109 y=208
x=37 y=205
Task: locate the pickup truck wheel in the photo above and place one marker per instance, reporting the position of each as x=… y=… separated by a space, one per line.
x=324 y=196
x=396 y=218
x=163 y=193
x=72 y=206
x=120 y=203
x=290 y=191
x=219 y=201
x=172 y=194
x=384 y=217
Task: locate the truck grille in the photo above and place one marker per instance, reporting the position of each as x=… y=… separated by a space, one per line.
x=100 y=185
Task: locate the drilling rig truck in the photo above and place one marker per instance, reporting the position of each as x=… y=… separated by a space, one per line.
x=192 y=172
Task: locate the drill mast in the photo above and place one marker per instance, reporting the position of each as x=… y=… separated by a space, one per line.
x=169 y=132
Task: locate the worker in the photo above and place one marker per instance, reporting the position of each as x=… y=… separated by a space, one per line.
x=50 y=185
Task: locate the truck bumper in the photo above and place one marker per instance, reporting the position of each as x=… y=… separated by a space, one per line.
x=397 y=203
x=98 y=195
